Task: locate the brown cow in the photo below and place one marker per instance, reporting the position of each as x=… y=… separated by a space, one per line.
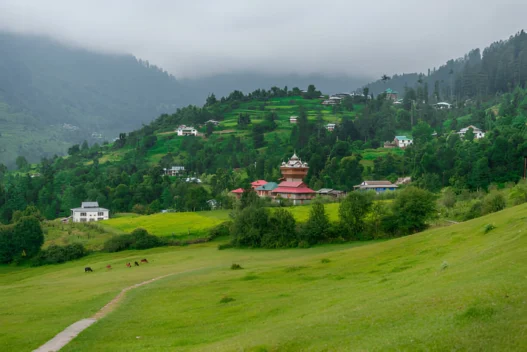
x=144 y=261
x=128 y=265
x=109 y=267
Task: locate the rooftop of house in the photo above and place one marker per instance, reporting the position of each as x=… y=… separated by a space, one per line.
x=175 y=168
x=98 y=209
x=474 y=128
x=390 y=91
x=237 y=190
x=294 y=162
x=90 y=205
x=377 y=183
x=269 y=186
x=258 y=183
x=403 y=138
x=292 y=187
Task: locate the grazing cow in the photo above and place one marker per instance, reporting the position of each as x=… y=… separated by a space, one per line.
x=88 y=270
x=144 y=261
x=136 y=264
x=109 y=267
x=128 y=265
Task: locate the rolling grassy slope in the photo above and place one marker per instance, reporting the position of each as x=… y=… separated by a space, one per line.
x=453 y=288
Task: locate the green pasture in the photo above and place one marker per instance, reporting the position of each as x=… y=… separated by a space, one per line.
x=166 y=224
x=452 y=288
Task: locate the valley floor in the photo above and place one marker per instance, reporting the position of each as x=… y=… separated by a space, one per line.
x=452 y=288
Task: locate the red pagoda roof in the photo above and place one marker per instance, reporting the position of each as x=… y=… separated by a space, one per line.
x=293 y=187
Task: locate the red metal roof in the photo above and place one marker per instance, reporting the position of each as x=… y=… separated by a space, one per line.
x=237 y=190
x=258 y=183
x=293 y=190
x=294 y=184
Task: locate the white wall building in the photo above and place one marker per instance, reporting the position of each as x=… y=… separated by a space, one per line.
x=402 y=141
x=186 y=131
x=89 y=211
x=477 y=132
x=174 y=170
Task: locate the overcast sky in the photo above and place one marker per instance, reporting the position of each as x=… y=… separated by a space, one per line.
x=203 y=37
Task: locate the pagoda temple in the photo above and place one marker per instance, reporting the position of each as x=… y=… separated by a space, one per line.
x=293 y=186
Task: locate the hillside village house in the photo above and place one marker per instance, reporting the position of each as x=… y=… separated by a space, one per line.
x=186 y=131
x=89 y=211
x=331 y=193
x=212 y=122
x=331 y=127
x=293 y=119
x=377 y=186
x=330 y=102
x=477 y=132
x=174 y=170
x=402 y=141
x=265 y=190
x=391 y=94
x=443 y=105
x=292 y=187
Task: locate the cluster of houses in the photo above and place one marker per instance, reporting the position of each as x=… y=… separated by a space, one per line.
x=293 y=188
x=330 y=126
x=404 y=141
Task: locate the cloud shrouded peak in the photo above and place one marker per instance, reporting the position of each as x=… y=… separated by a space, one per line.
x=200 y=38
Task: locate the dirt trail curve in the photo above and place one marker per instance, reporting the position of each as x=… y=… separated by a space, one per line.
x=68 y=334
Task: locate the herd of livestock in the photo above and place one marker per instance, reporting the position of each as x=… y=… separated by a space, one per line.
x=109 y=267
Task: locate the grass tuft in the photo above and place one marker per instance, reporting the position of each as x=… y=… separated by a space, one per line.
x=236 y=267
x=226 y=299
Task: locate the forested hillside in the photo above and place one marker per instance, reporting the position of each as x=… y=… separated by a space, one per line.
x=498 y=69
x=253 y=136
x=52 y=96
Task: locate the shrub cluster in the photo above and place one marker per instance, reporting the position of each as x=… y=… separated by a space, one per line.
x=138 y=239
x=59 y=254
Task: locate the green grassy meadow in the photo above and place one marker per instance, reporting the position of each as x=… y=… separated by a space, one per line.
x=194 y=223
x=166 y=224
x=449 y=288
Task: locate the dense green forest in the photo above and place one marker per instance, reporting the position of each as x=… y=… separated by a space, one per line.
x=254 y=136
x=498 y=69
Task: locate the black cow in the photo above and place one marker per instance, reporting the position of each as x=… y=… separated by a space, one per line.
x=88 y=269
x=136 y=264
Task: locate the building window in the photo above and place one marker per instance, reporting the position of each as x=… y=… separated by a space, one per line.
x=92 y=219
x=83 y=214
x=100 y=213
x=83 y=220
x=100 y=219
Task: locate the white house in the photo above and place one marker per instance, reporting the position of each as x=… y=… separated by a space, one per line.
x=293 y=119
x=89 y=211
x=174 y=170
x=192 y=180
x=186 y=131
x=443 y=105
x=213 y=122
x=402 y=141
x=477 y=132
x=330 y=127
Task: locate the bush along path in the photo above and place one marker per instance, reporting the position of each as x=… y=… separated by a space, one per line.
x=64 y=337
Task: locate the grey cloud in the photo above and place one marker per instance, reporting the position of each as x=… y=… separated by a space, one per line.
x=200 y=38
